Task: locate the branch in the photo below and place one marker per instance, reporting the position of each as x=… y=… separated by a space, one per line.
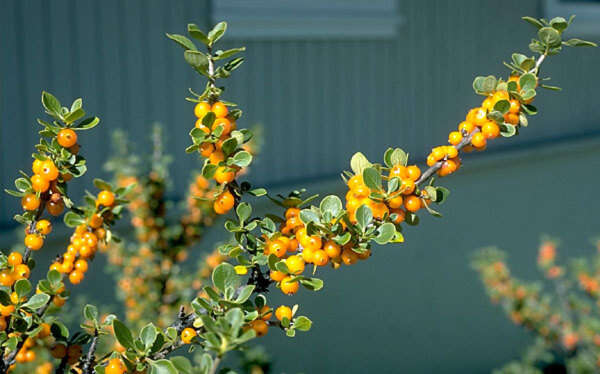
x=89 y=360
x=438 y=165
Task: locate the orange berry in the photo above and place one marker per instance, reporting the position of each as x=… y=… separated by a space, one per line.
x=34 y=241
x=21 y=271
x=431 y=160
x=66 y=267
x=355 y=181
x=55 y=208
x=227 y=126
x=332 y=249
x=511 y=118
x=439 y=153
x=400 y=215
x=39 y=183
x=265 y=313
x=413 y=172
x=67 y=138
x=283 y=312
x=311 y=242
x=448 y=167
x=292 y=212
x=59 y=351
x=216 y=157
x=477 y=116
x=106 y=198
x=219 y=109
x=224 y=174
x=115 y=366
x=288 y=286
x=6 y=278
x=465 y=126
x=81 y=265
x=395 y=202
x=276 y=248
x=3 y=324
x=412 y=203
x=188 y=334
x=488 y=104
x=206 y=149
x=59 y=301
x=515 y=106
x=260 y=327
x=277 y=276
x=399 y=171
x=75 y=276
x=44 y=227
x=407 y=187
x=201 y=109
x=295 y=264
x=490 y=130
x=478 y=140
x=15 y=258
x=320 y=258
x=223 y=203
x=30 y=202
x=37 y=165
x=6 y=310
x=201 y=126
x=378 y=209
x=308 y=255
x=49 y=170
x=349 y=257
x=455 y=137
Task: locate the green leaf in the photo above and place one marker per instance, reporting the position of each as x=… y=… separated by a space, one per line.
x=74 y=116
x=549 y=36
x=442 y=194
x=528 y=82
x=162 y=367
x=196 y=59
x=533 y=21
x=313 y=284
x=245 y=294
x=184 y=42
x=507 y=130
x=485 y=85
x=385 y=233
x=123 y=334
x=197 y=34
x=358 y=163
x=88 y=123
x=364 y=216
x=54 y=277
x=73 y=219
x=217 y=32
x=220 y=55
x=148 y=335
x=243 y=210
x=258 y=192
x=502 y=106
x=398 y=157
x=242 y=159
x=51 y=103
x=90 y=312
x=37 y=301
x=182 y=364
x=302 y=323
x=579 y=43
x=224 y=276
x=5 y=298
x=307 y=216
x=372 y=178
x=559 y=24
x=22 y=288
x=331 y=204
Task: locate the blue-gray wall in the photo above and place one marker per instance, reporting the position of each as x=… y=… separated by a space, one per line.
x=320 y=101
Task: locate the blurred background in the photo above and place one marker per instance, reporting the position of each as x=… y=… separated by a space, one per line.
x=325 y=79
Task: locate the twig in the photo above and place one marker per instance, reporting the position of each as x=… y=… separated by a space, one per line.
x=215 y=365
x=90 y=359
